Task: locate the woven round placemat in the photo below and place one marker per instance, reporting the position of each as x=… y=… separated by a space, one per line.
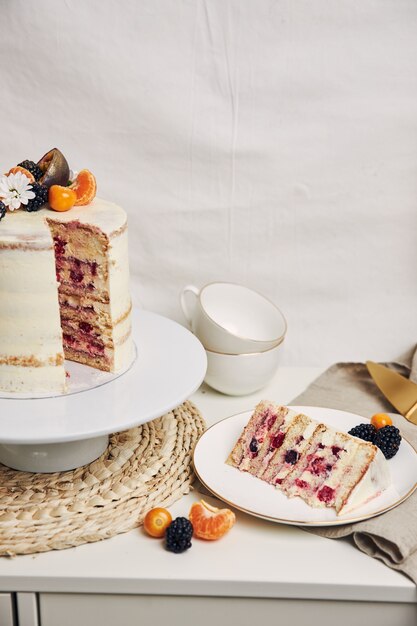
x=143 y=467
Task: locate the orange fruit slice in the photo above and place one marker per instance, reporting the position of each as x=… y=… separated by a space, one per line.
x=85 y=187
x=61 y=198
x=209 y=522
x=157 y=521
x=23 y=170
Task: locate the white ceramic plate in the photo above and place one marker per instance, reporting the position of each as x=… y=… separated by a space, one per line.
x=171 y=364
x=253 y=496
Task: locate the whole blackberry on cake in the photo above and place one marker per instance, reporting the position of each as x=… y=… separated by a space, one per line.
x=366 y=432
x=178 y=535
x=2 y=210
x=41 y=197
x=32 y=167
x=388 y=440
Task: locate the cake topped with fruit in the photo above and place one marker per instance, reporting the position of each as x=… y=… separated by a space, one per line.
x=64 y=277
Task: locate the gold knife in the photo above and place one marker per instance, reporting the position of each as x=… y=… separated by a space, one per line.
x=401 y=392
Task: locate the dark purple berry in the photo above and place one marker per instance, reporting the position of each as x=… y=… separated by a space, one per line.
x=291 y=457
x=40 y=199
x=76 y=276
x=178 y=535
x=32 y=167
x=253 y=446
x=366 y=432
x=388 y=440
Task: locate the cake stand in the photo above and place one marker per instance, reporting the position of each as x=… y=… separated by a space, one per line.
x=51 y=434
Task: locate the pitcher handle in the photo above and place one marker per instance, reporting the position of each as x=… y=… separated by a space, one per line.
x=184 y=306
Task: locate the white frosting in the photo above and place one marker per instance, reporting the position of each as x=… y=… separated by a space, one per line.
x=375 y=480
x=25 y=228
x=32 y=379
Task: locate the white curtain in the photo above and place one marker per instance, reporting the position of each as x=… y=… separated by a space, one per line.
x=268 y=142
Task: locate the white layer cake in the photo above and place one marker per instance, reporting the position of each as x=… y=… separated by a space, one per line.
x=64 y=289
x=305 y=458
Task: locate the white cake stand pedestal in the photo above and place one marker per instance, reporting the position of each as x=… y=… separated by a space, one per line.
x=54 y=434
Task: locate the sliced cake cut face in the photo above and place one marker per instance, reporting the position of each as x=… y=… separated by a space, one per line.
x=283 y=460
x=91 y=333
x=305 y=458
x=82 y=273
x=314 y=478
x=265 y=430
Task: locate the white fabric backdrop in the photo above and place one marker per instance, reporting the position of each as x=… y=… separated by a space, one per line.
x=272 y=143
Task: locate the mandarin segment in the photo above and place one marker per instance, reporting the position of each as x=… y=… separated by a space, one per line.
x=85 y=187
x=22 y=170
x=209 y=522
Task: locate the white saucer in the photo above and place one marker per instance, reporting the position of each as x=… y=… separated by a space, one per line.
x=170 y=365
x=253 y=496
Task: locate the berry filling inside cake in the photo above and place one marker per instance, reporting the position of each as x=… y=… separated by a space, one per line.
x=82 y=273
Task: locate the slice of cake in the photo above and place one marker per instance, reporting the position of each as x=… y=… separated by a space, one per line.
x=305 y=458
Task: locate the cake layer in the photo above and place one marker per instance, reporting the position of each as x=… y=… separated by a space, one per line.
x=92 y=312
x=329 y=454
x=86 y=358
x=254 y=439
x=27 y=379
x=282 y=460
x=82 y=273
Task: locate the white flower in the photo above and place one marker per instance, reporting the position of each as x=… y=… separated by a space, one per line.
x=15 y=190
x=73 y=175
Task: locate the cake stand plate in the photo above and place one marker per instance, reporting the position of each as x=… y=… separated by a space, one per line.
x=63 y=432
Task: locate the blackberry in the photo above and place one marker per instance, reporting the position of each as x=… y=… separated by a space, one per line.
x=253 y=446
x=32 y=167
x=291 y=457
x=366 y=432
x=388 y=440
x=178 y=535
x=41 y=197
x=2 y=210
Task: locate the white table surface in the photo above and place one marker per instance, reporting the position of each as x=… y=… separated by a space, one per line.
x=257 y=558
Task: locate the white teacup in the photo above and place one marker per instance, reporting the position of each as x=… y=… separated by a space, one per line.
x=233 y=319
x=241 y=374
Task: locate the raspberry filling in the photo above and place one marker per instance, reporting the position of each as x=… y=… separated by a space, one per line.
x=277 y=440
x=301 y=483
x=75 y=270
x=325 y=494
x=84 y=344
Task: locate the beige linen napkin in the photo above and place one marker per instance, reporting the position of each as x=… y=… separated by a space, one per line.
x=392 y=536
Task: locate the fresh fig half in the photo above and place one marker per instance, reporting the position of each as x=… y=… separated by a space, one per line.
x=55 y=169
